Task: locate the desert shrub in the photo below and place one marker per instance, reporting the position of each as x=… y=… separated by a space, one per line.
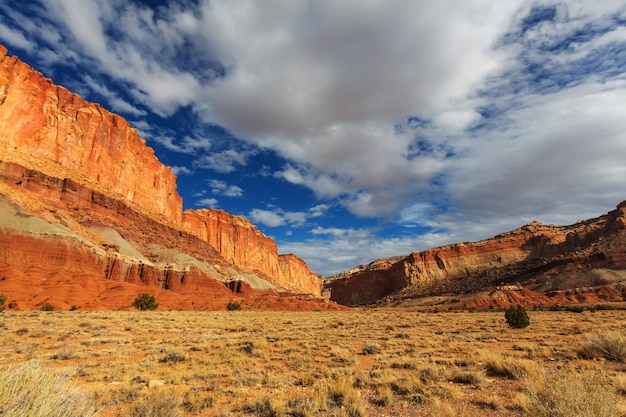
x=565 y=393
x=159 y=403
x=473 y=377
x=233 y=306
x=145 y=302
x=269 y=407
x=370 y=349
x=3 y=299
x=73 y=308
x=574 y=309
x=609 y=345
x=510 y=368
x=47 y=307
x=516 y=317
x=30 y=390
x=172 y=357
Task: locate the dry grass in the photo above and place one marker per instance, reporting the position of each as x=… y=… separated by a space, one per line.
x=31 y=390
x=570 y=392
x=610 y=345
x=351 y=364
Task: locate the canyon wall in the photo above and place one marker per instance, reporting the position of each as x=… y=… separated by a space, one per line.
x=242 y=244
x=544 y=257
x=47 y=128
x=69 y=153
x=296 y=275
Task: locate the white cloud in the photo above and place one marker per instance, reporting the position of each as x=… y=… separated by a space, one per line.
x=267 y=217
x=178 y=171
x=188 y=145
x=319 y=210
x=207 y=202
x=223 y=162
x=16 y=38
x=278 y=217
x=116 y=103
x=220 y=187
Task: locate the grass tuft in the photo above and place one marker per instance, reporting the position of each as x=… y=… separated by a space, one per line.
x=30 y=390
x=564 y=393
x=610 y=345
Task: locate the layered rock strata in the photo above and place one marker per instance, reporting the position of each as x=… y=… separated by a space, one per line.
x=544 y=258
x=86 y=169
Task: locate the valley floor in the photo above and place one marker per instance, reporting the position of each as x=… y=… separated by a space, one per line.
x=356 y=363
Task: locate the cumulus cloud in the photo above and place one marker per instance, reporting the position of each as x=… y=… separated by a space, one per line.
x=223 y=162
x=177 y=170
x=220 y=187
x=276 y=217
x=207 y=202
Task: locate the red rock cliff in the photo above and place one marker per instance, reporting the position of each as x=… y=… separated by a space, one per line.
x=242 y=244
x=47 y=128
x=296 y=275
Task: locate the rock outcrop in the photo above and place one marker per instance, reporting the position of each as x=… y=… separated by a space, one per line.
x=46 y=128
x=84 y=198
x=545 y=258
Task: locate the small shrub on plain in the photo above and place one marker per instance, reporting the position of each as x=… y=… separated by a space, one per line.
x=516 y=317
x=233 y=306
x=145 y=302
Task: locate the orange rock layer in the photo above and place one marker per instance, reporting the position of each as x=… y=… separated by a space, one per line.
x=55 y=134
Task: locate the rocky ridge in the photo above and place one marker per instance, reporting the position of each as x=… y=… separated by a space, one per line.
x=84 y=197
x=546 y=264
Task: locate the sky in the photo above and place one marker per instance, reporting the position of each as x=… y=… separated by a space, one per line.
x=352 y=130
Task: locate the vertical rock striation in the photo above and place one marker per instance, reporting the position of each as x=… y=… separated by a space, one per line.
x=47 y=128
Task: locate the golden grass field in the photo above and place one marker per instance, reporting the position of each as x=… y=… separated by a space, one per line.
x=364 y=362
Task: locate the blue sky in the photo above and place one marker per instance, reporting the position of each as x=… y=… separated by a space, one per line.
x=353 y=130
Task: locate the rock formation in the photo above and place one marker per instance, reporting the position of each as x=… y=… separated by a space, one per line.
x=548 y=260
x=84 y=203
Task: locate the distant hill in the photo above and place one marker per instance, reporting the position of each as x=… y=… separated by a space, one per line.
x=536 y=264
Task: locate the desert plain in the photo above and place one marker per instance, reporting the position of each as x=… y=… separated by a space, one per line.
x=363 y=362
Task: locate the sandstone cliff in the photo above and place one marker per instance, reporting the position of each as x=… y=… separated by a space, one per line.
x=74 y=165
x=242 y=244
x=49 y=129
x=547 y=259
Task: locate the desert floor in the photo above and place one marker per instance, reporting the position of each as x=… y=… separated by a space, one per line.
x=364 y=362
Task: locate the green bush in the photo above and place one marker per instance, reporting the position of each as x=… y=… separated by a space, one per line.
x=47 y=307
x=516 y=317
x=145 y=302
x=233 y=306
x=3 y=299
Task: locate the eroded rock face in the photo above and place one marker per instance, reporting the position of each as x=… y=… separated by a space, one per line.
x=544 y=258
x=49 y=129
x=296 y=275
x=81 y=169
x=236 y=239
